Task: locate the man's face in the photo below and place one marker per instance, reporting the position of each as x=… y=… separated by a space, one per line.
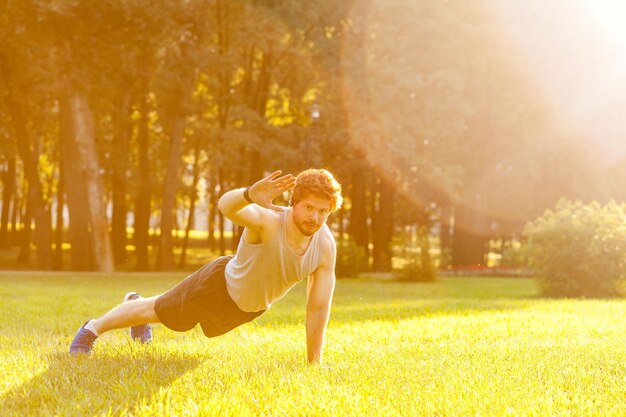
x=310 y=214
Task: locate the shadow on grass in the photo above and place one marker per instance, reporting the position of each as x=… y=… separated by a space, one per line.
x=95 y=384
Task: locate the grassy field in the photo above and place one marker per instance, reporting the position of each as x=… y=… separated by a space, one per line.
x=458 y=347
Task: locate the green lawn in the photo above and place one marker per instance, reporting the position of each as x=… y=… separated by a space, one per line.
x=459 y=347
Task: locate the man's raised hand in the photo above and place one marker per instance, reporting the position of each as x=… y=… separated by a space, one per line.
x=264 y=191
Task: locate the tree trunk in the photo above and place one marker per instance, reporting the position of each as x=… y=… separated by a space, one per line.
x=193 y=196
x=170 y=185
x=260 y=106
x=190 y=221
x=81 y=248
x=26 y=232
x=85 y=142
x=8 y=197
x=222 y=240
x=224 y=97
x=470 y=237
x=36 y=204
x=120 y=166
x=340 y=220
x=141 y=227
x=382 y=227
x=234 y=239
x=358 y=211
x=58 y=238
x=212 y=207
x=14 y=235
x=428 y=273
x=445 y=233
x=220 y=216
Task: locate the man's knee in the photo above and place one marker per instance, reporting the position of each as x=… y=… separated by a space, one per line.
x=147 y=309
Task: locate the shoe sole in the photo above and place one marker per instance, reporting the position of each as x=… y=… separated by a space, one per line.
x=128 y=296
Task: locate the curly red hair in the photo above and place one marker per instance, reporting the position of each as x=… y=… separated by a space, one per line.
x=319 y=182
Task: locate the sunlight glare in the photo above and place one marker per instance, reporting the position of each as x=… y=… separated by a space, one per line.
x=611 y=16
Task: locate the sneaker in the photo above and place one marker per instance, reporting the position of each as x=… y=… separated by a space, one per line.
x=83 y=341
x=143 y=332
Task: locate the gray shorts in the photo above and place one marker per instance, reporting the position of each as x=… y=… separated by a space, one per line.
x=202 y=298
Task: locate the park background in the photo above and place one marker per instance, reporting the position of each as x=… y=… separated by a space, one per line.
x=478 y=138
x=450 y=125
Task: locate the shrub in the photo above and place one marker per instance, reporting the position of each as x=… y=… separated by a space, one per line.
x=514 y=255
x=416 y=268
x=579 y=250
x=351 y=259
x=414 y=260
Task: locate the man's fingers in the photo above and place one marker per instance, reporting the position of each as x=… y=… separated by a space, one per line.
x=289 y=185
x=271 y=187
x=275 y=178
x=286 y=182
x=281 y=183
x=286 y=177
x=272 y=177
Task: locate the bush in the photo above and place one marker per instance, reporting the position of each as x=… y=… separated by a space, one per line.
x=579 y=250
x=414 y=260
x=351 y=259
x=416 y=268
x=514 y=255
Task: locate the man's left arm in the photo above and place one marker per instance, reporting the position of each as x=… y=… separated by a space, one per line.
x=320 y=289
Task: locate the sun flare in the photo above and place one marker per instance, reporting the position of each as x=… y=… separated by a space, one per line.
x=611 y=16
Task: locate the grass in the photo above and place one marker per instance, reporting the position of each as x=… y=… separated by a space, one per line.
x=458 y=347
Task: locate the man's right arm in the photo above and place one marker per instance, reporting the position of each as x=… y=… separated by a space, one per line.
x=234 y=206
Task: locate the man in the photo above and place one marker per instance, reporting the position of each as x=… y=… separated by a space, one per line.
x=279 y=247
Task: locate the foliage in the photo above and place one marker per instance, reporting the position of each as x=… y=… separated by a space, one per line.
x=415 y=263
x=414 y=269
x=579 y=250
x=441 y=113
x=351 y=259
x=454 y=348
x=514 y=255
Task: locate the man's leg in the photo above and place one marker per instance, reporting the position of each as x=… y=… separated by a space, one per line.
x=128 y=314
x=136 y=312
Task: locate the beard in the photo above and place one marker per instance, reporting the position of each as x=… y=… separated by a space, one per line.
x=307 y=228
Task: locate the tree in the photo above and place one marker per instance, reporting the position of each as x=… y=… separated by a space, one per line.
x=14 y=72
